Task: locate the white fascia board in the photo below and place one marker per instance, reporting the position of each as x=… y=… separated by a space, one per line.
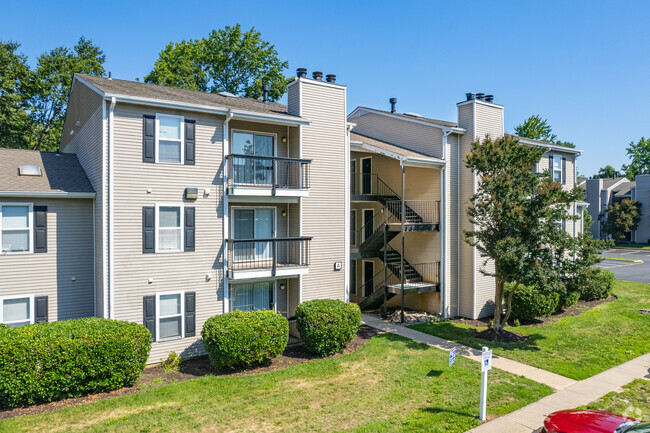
x=87 y=84
x=237 y=114
x=424 y=163
x=478 y=101
x=614 y=185
x=360 y=110
x=555 y=147
x=411 y=161
x=47 y=194
x=317 y=82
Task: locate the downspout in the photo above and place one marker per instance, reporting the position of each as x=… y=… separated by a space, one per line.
x=442 y=229
x=94 y=260
x=226 y=212
x=111 y=240
x=346 y=209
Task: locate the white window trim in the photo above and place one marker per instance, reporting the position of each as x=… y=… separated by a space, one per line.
x=182 y=227
x=158 y=317
x=182 y=139
x=275 y=218
x=553 y=170
x=32 y=309
x=246 y=131
x=30 y=227
x=275 y=294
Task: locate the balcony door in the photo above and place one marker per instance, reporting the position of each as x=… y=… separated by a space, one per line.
x=251 y=224
x=248 y=169
x=366 y=176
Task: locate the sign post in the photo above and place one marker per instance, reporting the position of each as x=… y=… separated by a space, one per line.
x=486 y=364
x=452 y=356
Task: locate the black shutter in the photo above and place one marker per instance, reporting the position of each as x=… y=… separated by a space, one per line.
x=40 y=309
x=148 y=230
x=550 y=164
x=149 y=314
x=190 y=228
x=190 y=142
x=40 y=229
x=190 y=315
x=563 y=171
x=148 y=138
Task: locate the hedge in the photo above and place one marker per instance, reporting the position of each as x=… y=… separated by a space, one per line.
x=50 y=361
x=592 y=283
x=327 y=325
x=528 y=303
x=242 y=338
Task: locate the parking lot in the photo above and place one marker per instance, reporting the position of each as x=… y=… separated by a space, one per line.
x=628 y=270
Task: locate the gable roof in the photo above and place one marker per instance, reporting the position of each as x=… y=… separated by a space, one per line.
x=115 y=87
x=391 y=150
x=406 y=116
x=62 y=175
x=624 y=189
x=613 y=181
x=551 y=146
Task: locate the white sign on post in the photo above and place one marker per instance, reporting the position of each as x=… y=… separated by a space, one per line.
x=487 y=360
x=452 y=356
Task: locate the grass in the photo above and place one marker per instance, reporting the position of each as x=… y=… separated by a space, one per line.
x=620 y=259
x=576 y=347
x=633 y=245
x=391 y=384
x=633 y=401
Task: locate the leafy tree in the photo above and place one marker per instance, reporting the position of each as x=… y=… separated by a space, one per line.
x=515 y=215
x=639 y=154
x=51 y=82
x=621 y=218
x=607 y=172
x=537 y=128
x=227 y=60
x=14 y=93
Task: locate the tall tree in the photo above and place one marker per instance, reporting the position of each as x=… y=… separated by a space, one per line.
x=515 y=215
x=14 y=94
x=621 y=218
x=228 y=60
x=607 y=172
x=51 y=82
x=537 y=128
x=639 y=154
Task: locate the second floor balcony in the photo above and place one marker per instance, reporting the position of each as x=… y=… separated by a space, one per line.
x=255 y=175
x=270 y=257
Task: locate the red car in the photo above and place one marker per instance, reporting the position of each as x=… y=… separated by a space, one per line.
x=592 y=421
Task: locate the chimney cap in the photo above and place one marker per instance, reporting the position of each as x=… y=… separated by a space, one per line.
x=301 y=72
x=489 y=98
x=317 y=75
x=470 y=96
x=392 y=101
x=480 y=96
x=330 y=78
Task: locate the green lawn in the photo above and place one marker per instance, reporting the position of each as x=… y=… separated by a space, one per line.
x=620 y=259
x=579 y=346
x=391 y=384
x=633 y=245
x=634 y=401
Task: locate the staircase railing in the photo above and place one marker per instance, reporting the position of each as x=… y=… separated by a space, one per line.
x=417 y=211
x=370 y=184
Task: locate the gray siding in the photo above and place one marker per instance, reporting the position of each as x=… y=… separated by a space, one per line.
x=69 y=255
x=643 y=196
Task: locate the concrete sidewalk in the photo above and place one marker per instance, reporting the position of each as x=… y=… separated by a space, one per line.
x=568 y=392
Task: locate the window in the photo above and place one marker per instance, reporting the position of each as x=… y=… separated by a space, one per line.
x=169 y=139
x=557 y=168
x=253 y=223
x=253 y=171
x=252 y=296
x=17 y=311
x=170 y=316
x=16 y=227
x=169 y=227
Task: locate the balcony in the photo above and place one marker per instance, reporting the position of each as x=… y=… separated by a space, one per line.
x=264 y=258
x=253 y=175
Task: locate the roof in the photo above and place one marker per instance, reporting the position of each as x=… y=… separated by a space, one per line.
x=609 y=182
x=421 y=119
x=61 y=174
x=391 y=148
x=113 y=86
x=545 y=144
x=624 y=189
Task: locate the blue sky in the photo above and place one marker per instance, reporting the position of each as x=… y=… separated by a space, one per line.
x=583 y=65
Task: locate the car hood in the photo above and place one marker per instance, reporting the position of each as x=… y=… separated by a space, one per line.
x=582 y=421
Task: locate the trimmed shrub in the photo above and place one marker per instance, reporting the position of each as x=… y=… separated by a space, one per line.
x=567 y=299
x=592 y=283
x=327 y=325
x=50 y=361
x=529 y=303
x=242 y=338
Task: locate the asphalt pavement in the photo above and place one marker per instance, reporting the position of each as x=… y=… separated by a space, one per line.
x=625 y=270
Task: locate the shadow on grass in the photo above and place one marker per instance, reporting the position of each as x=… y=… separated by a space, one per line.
x=437 y=410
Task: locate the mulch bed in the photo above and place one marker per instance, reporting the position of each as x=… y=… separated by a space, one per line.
x=193 y=368
x=579 y=308
x=504 y=336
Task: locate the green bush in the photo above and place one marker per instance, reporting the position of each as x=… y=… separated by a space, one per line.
x=592 y=283
x=242 y=338
x=567 y=299
x=327 y=325
x=50 y=361
x=529 y=302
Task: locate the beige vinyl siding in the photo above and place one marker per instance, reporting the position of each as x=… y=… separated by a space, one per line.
x=544 y=164
x=69 y=255
x=293 y=99
x=323 y=212
x=294 y=295
x=452 y=228
x=401 y=132
x=489 y=120
x=87 y=143
x=167 y=271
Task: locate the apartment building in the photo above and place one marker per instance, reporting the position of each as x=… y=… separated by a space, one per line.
x=410 y=190
x=180 y=205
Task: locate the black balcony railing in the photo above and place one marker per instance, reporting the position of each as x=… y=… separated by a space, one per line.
x=267 y=172
x=294 y=335
x=272 y=253
x=370 y=184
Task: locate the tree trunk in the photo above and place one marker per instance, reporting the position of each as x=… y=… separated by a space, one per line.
x=498 y=302
x=509 y=303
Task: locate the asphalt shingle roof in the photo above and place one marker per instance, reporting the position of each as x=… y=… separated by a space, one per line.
x=422 y=119
x=388 y=146
x=60 y=173
x=155 y=91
